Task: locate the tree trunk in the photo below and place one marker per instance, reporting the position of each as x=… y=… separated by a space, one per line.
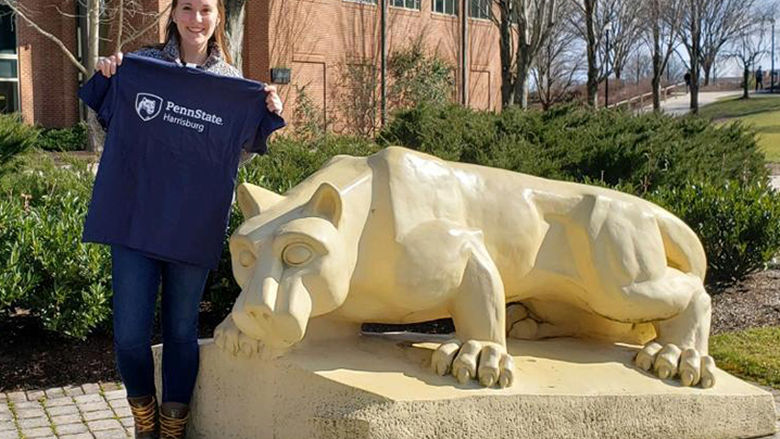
x=234 y=28
x=695 y=53
x=523 y=57
x=593 y=71
x=505 y=35
x=94 y=130
x=745 y=83
x=657 y=68
x=707 y=67
x=656 y=85
x=521 y=86
x=95 y=134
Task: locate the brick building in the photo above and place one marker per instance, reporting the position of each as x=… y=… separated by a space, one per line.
x=315 y=41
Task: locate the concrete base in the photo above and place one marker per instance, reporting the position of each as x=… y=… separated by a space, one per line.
x=380 y=388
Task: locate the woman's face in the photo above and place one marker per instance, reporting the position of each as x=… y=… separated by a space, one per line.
x=196 y=20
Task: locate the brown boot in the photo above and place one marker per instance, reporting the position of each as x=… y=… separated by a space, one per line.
x=173 y=420
x=145 y=415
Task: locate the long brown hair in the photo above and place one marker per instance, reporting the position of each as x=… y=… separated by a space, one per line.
x=219 y=33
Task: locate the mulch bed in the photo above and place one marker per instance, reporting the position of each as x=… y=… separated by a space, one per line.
x=754 y=302
x=31 y=358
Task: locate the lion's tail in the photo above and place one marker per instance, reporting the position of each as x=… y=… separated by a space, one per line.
x=684 y=250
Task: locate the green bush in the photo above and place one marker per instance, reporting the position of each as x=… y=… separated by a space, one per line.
x=417 y=77
x=645 y=151
x=64 y=139
x=49 y=271
x=739 y=225
x=67 y=284
x=16 y=137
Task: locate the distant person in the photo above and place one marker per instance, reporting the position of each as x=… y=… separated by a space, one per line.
x=687 y=78
x=759 y=78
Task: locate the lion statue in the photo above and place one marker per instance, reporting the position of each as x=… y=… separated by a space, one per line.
x=401 y=237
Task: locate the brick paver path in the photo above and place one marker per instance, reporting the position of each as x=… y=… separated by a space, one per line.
x=88 y=411
x=95 y=411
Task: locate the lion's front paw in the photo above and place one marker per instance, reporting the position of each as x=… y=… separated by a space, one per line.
x=670 y=361
x=230 y=339
x=488 y=362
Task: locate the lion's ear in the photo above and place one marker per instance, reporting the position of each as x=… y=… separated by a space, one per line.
x=326 y=203
x=252 y=200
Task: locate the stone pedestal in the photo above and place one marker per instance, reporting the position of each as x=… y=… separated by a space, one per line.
x=382 y=388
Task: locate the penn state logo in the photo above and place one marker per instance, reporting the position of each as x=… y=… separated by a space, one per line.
x=148 y=106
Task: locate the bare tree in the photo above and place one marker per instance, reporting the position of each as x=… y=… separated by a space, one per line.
x=722 y=21
x=690 y=34
x=235 y=10
x=98 y=13
x=535 y=19
x=664 y=19
x=639 y=65
x=506 y=49
x=586 y=24
x=556 y=65
x=627 y=27
x=747 y=48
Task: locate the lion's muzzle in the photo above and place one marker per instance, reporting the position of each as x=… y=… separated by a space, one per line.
x=276 y=314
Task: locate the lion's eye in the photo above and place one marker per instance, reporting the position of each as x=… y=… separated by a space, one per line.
x=297 y=254
x=246 y=258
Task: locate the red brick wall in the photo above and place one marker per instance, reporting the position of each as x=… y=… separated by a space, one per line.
x=48 y=81
x=312 y=37
x=315 y=37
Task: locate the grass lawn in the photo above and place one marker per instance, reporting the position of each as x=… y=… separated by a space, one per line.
x=753 y=354
x=761 y=112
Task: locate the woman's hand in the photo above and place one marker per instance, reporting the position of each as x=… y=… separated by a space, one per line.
x=272 y=100
x=108 y=65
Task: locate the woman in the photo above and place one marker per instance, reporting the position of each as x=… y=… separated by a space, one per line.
x=195 y=36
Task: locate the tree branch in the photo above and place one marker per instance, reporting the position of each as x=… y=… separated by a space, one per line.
x=146 y=29
x=40 y=30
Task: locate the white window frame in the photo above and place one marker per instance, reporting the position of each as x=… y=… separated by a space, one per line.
x=484 y=8
x=405 y=3
x=455 y=7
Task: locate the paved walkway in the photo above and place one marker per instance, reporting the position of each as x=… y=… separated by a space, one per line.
x=95 y=411
x=679 y=104
x=89 y=411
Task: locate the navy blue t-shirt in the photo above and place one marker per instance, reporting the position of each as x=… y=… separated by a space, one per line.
x=168 y=170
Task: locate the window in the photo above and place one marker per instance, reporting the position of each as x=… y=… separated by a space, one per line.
x=9 y=75
x=408 y=4
x=449 y=7
x=480 y=8
x=7 y=31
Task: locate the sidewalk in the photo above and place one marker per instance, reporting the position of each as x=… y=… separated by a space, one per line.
x=89 y=411
x=97 y=411
x=679 y=104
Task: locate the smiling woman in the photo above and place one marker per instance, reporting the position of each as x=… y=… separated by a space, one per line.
x=195 y=37
x=196 y=23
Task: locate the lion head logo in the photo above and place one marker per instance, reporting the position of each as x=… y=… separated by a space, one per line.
x=148 y=106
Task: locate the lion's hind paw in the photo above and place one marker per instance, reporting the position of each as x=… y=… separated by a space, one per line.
x=669 y=361
x=488 y=362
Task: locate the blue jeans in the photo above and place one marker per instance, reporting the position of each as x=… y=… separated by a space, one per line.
x=136 y=279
